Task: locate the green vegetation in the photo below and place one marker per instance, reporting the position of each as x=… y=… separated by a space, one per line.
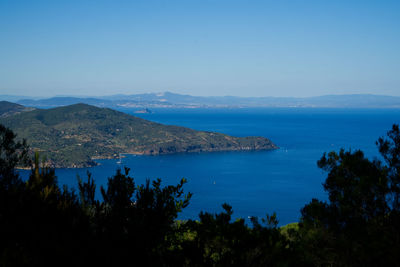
x=73 y=136
x=8 y=109
x=42 y=224
x=359 y=226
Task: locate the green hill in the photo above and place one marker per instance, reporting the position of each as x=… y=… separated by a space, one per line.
x=73 y=136
x=8 y=109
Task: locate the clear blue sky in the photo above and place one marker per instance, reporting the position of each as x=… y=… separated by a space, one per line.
x=243 y=48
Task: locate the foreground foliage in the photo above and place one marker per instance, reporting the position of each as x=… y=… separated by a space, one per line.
x=42 y=224
x=359 y=226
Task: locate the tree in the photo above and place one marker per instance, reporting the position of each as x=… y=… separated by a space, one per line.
x=359 y=224
x=12 y=153
x=217 y=240
x=39 y=222
x=390 y=151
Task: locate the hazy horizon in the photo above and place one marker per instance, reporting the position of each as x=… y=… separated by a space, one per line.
x=102 y=96
x=202 y=48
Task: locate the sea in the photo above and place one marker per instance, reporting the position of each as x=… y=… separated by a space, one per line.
x=254 y=183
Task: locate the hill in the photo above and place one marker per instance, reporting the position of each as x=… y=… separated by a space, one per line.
x=8 y=109
x=76 y=135
x=171 y=100
x=64 y=101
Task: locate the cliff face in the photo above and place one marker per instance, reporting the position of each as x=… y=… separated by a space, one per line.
x=73 y=136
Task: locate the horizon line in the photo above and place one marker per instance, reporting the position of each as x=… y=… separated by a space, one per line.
x=183 y=94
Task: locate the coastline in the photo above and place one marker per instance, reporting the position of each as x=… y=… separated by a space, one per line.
x=93 y=162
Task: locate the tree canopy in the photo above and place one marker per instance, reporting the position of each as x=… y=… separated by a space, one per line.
x=44 y=224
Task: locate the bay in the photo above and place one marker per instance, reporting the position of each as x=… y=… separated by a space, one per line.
x=254 y=183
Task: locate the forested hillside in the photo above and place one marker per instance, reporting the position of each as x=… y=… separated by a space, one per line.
x=73 y=136
x=8 y=109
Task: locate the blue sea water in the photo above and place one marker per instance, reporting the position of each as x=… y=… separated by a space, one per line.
x=257 y=182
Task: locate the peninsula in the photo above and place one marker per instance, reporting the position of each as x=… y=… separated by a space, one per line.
x=77 y=135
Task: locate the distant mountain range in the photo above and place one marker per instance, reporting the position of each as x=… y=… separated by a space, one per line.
x=76 y=135
x=172 y=100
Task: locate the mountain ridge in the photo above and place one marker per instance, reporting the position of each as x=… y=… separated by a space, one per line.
x=172 y=100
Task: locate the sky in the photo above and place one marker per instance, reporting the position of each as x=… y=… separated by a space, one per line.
x=206 y=47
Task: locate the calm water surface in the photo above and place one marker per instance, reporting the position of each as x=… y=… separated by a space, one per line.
x=254 y=183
